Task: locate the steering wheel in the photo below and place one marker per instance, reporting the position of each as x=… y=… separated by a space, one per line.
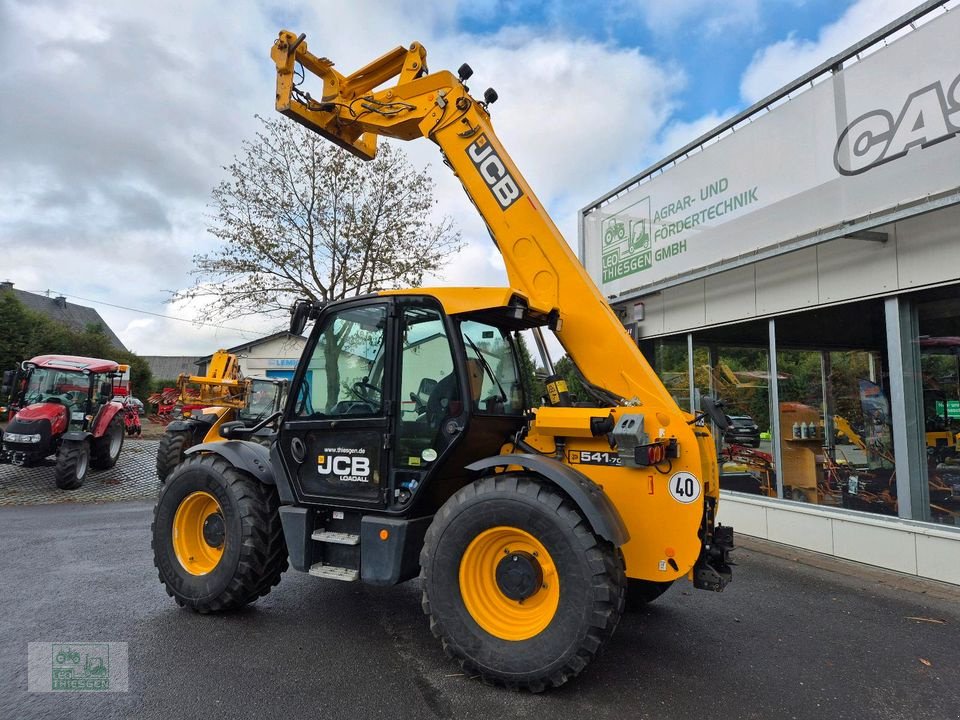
x=364 y=391
x=74 y=397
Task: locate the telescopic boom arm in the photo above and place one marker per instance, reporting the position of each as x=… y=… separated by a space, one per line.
x=352 y=113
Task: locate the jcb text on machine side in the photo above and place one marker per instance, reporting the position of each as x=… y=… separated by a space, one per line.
x=410 y=445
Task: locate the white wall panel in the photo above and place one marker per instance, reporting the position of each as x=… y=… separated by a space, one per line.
x=850 y=268
x=804 y=530
x=787 y=282
x=938 y=557
x=928 y=248
x=683 y=307
x=653 y=315
x=731 y=295
x=875 y=545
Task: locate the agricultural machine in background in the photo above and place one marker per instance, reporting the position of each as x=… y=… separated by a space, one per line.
x=211 y=401
x=64 y=407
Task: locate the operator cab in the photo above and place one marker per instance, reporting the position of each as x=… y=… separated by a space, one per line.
x=386 y=388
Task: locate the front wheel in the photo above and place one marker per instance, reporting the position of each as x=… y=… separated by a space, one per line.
x=73 y=462
x=517 y=586
x=217 y=538
x=170 y=451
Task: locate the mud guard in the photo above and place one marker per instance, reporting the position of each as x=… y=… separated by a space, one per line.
x=106 y=415
x=589 y=497
x=250 y=457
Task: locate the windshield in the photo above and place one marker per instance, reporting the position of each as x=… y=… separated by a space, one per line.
x=48 y=385
x=260 y=402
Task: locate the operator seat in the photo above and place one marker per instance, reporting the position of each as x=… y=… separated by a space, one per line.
x=446 y=400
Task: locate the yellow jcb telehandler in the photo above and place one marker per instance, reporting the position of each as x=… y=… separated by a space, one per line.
x=410 y=446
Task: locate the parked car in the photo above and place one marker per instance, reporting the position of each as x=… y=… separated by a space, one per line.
x=743 y=430
x=141 y=411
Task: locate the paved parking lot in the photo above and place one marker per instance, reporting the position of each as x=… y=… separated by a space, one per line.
x=133 y=477
x=795 y=636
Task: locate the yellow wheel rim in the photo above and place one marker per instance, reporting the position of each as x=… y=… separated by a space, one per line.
x=485 y=599
x=198 y=536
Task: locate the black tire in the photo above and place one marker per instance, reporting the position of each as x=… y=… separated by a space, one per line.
x=106 y=449
x=642 y=592
x=254 y=552
x=170 y=452
x=589 y=570
x=73 y=464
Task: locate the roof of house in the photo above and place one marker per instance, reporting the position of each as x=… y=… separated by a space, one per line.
x=253 y=343
x=169 y=367
x=76 y=317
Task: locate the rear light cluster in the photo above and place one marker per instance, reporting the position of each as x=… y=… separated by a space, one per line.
x=656 y=453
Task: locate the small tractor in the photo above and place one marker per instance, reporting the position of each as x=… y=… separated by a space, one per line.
x=212 y=401
x=410 y=444
x=64 y=408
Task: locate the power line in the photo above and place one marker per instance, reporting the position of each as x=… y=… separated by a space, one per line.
x=146 y=312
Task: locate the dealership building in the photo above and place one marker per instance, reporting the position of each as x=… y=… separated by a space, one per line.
x=802 y=262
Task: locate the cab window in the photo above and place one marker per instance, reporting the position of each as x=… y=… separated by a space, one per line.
x=346 y=368
x=492 y=370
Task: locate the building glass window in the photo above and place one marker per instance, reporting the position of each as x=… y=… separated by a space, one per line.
x=834 y=417
x=938 y=314
x=741 y=379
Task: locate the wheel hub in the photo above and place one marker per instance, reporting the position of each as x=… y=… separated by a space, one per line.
x=519 y=575
x=214 y=530
x=509 y=583
x=199 y=533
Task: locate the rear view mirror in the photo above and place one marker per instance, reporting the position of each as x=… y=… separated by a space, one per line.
x=299 y=314
x=714 y=410
x=106 y=389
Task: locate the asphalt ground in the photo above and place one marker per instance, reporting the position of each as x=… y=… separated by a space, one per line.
x=794 y=636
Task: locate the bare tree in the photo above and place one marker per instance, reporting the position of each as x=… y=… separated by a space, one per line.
x=298 y=217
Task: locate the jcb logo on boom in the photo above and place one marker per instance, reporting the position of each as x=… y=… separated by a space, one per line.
x=928 y=116
x=494 y=172
x=348 y=468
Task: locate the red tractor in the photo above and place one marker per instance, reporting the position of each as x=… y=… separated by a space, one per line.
x=64 y=408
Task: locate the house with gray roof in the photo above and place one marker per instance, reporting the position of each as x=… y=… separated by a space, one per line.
x=76 y=317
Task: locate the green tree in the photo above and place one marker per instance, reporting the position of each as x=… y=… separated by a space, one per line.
x=28 y=334
x=299 y=217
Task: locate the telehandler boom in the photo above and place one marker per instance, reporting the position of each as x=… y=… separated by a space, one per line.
x=409 y=443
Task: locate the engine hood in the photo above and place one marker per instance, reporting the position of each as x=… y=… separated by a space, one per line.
x=43 y=411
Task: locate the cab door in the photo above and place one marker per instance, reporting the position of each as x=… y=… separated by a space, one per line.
x=336 y=432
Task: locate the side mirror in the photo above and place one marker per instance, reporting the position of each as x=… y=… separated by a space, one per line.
x=714 y=410
x=8 y=381
x=299 y=314
x=106 y=389
x=426 y=387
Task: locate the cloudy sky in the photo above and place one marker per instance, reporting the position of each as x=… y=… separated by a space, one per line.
x=117 y=117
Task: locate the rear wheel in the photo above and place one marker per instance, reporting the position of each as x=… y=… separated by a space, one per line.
x=106 y=449
x=73 y=462
x=217 y=538
x=170 y=452
x=516 y=584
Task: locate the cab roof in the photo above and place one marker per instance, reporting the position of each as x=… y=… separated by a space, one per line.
x=75 y=363
x=460 y=300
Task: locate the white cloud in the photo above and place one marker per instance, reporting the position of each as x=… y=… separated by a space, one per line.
x=714 y=17
x=776 y=65
x=109 y=153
